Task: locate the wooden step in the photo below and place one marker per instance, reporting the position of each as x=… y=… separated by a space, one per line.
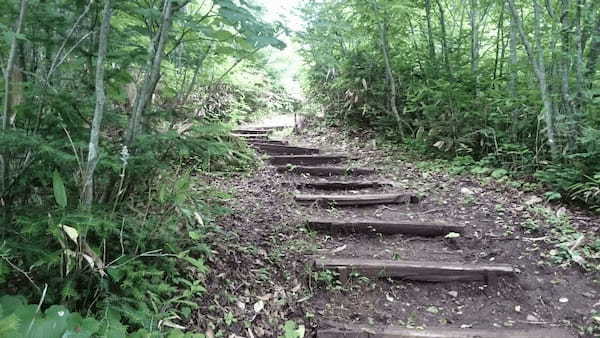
x=306 y=159
x=346 y=200
x=356 y=331
x=276 y=149
x=251 y=137
x=325 y=171
x=342 y=185
x=416 y=270
x=275 y=142
x=385 y=227
x=250 y=131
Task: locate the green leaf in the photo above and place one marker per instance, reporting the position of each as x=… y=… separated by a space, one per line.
x=60 y=193
x=499 y=173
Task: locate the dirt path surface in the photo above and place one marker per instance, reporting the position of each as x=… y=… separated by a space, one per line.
x=266 y=254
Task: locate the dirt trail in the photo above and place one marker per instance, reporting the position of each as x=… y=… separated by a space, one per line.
x=524 y=297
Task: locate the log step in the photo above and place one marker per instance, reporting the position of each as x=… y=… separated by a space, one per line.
x=343 y=185
x=383 y=227
x=251 y=137
x=325 y=171
x=275 y=142
x=355 y=331
x=348 y=200
x=306 y=159
x=249 y=131
x=277 y=149
x=416 y=270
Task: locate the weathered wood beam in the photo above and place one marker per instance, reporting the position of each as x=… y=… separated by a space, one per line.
x=342 y=185
x=416 y=270
x=307 y=159
x=276 y=149
x=347 y=200
x=385 y=227
x=355 y=331
x=325 y=171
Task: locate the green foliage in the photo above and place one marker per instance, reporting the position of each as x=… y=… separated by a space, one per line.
x=454 y=99
x=19 y=319
x=138 y=255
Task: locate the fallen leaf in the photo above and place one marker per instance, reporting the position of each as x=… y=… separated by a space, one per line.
x=341 y=248
x=453 y=293
x=452 y=235
x=259 y=306
x=467 y=191
x=534 y=200
x=432 y=309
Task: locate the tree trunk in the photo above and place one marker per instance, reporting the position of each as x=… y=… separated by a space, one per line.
x=93 y=149
x=430 y=40
x=7 y=111
x=538 y=63
x=444 y=39
x=383 y=29
x=474 y=21
x=152 y=73
x=594 y=52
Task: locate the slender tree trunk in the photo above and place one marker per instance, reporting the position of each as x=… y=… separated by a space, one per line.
x=192 y=84
x=594 y=52
x=430 y=39
x=93 y=148
x=536 y=58
x=383 y=29
x=445 y=50
x=474 y=21
x=7 y=111
x=152 y=73
x=513 y=58
x=580 y=64
x=499 y=43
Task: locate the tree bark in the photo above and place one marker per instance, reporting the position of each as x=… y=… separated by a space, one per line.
x=93 y=148
x=430 y=40
x=383 y=29
x=474 y=20
x=152 y=74
x=536 y=58
x=8 y=77
x=445 y=50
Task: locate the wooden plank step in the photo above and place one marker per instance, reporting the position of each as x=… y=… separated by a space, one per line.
x=276 y=142
x=356 y=331
x=276 y=149
x=306 y=159
x=252 y=136
x=343 y=185
x=416 y=270
x=346 y=200
x=385 y=227
x=249 y=131
x=325 y=171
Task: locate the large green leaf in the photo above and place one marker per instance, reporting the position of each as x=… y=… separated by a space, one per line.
x=60 y=193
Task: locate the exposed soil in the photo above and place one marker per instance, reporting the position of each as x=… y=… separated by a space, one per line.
x=261 y=275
